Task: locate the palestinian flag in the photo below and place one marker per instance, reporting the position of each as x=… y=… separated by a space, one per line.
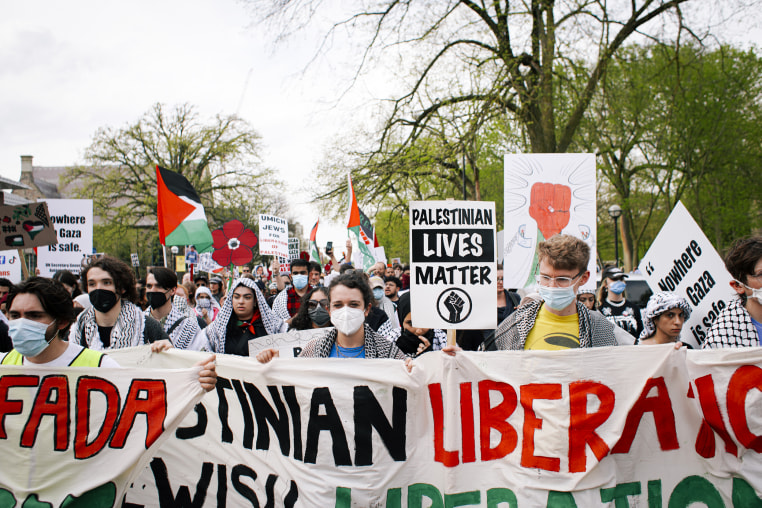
x=182 y=220
x=314 y=252
x=358 y=223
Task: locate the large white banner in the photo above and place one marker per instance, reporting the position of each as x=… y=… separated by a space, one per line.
x=273 y=236
x=10 y=266
x=73 y=222
x=682 y=260
x=546 y=194
x=453 y=272
x=642 y=426
x=78 y=436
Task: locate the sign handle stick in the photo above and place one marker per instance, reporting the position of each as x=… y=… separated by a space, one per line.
x=451 y=337
x=24 y=268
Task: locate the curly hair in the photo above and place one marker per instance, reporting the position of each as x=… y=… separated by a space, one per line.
x=302 y=319
x=124 y=277
x=353 y=280
x=564 y=252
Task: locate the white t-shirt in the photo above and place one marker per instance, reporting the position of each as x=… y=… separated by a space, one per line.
x=68 y=356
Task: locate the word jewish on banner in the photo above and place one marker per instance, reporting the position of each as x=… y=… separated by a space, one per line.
x=25 y=226
x=73 y=223
x=454 y=274
x=273 y=236
x=683 y=261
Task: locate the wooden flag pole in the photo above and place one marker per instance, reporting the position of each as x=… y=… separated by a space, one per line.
x=24 y=269
x=451 y=337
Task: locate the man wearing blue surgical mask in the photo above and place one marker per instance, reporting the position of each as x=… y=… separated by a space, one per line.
x=556 y=320
x=614 y=305
x=288 y=301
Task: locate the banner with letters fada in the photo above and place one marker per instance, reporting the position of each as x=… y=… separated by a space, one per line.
x=73 y=222
x=682 y=260
x=619 y=426
x=453 y=279
x=77 y=436
x=273 y=236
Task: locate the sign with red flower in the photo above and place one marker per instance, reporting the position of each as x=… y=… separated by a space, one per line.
x=233 y=244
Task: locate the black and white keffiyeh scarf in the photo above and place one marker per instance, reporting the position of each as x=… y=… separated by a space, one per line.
x=127 y=331
x=657 y=305
x=217 y=331
x=181 y=328
x=732 y=328
x=376 y=346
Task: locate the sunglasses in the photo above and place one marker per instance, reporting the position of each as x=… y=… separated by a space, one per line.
x=314 y=303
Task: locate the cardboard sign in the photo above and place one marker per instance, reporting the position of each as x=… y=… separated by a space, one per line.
x=273 y=236
x=180 y=263
x=25 y=226
x=293 y=248
x=546 y=194
x=73 y=222
x=682 y=260
x=453 y=276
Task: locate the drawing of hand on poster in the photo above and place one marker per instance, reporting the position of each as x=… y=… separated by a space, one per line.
x=545 y=194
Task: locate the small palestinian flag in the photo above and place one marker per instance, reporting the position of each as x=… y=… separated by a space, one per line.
x=182 y=220
x=314 y=252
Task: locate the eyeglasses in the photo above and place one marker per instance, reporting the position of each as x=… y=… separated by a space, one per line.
x=561 y=282
x=314 y=303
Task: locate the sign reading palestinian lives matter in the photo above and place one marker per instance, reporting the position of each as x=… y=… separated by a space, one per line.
x=273 y=236
x=78 y=436
x=682 y=260
x=453 y=278
x=546 y=194
x=25 y=226
x=73 y=222
x=10 y=266
x=293 y=248
x=509 y=429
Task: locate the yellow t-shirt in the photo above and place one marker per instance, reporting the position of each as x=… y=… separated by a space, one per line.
x=552 y=332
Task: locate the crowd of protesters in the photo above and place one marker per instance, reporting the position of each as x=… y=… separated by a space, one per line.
x=72 y=319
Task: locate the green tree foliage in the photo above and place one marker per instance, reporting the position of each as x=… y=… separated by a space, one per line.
x=219 y=158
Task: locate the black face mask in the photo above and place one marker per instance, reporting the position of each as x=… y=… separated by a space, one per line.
x=409 y=342
x=102 y=299
x=156 y=299
x=319 y=315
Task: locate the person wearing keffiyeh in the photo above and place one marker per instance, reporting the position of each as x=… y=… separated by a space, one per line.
x=663 y=318
x=182 y=327
x=244 y=316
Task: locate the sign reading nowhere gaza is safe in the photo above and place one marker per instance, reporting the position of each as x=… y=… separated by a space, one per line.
x=273 y=236
x=453 y=278
x=73 y=222
x=683 y=261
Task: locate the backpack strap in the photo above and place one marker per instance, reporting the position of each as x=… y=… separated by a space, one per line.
x=176 y=324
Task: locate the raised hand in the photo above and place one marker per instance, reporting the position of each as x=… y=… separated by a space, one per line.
x=549 y=206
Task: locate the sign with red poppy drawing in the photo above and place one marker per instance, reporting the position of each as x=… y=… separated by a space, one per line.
x=546 y=194
x=233 y=243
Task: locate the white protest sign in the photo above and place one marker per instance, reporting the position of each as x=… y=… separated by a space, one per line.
x=206 y=263
x=380 y=254
x=10 y=266
x=289 y=345
x=293 y=248
x=682 y=260
x=546 y=194
x=73 y=222
x=453 y=279
x=273 y=236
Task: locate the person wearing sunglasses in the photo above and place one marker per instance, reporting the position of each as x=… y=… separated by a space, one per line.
x=313 y=312
x=557 y=320
x=740 y=323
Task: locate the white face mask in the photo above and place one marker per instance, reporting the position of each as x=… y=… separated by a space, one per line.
x=348 y=320
x=755 y=293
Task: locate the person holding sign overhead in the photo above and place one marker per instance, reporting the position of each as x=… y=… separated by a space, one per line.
x=557 y=321
x=740 y=323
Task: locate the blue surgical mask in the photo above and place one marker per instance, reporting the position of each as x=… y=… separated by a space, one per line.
x=28 y=336
x=300 y=281
x=378 y=293
x=557 y=298
x=617 y=287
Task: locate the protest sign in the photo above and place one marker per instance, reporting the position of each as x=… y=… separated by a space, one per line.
x=180 y=263
x=546 y=194
x=380 y=253
x=273 y=236
x=135 y=259
x=453 y=276
x=191 y=257
x=505 y=429
x=78 y=436
x=73 y=222
x=10 y=265
x=26 y=226
x=289 y=345
x=682 y=260
x=293 y=248
x=207 y=264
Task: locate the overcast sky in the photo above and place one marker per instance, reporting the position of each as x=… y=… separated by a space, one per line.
x=68 y=68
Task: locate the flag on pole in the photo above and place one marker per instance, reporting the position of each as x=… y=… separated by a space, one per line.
x=357 y=223
x=182 y=220
x=314 y=252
